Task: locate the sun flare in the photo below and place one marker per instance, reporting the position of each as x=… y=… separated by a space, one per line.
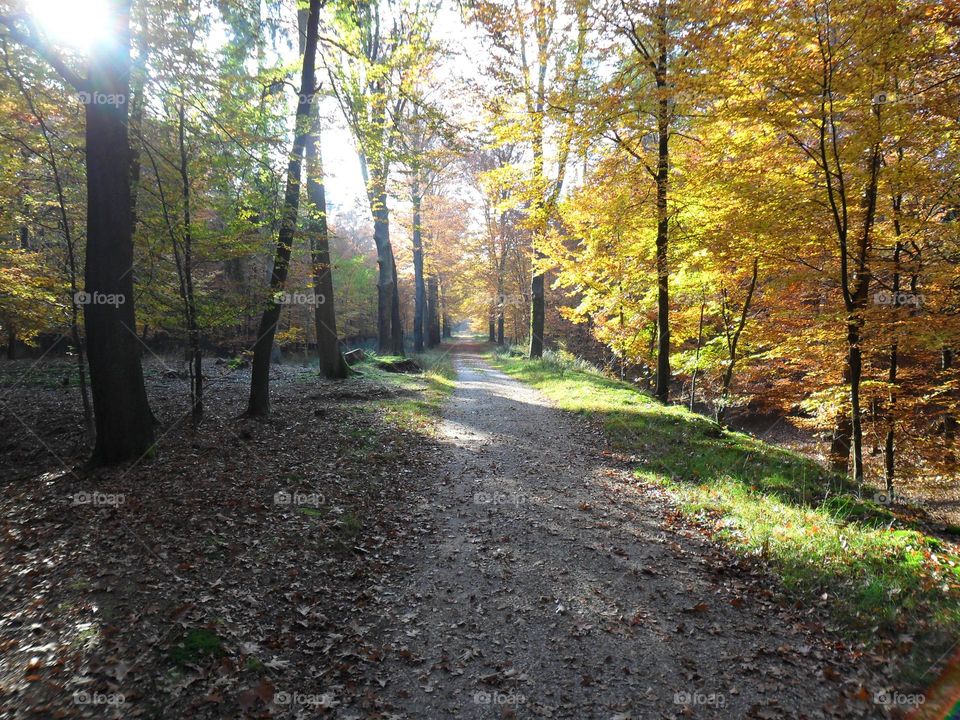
x=77 y=23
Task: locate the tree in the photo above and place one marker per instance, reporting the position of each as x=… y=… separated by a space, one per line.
x=381 y=48
x=331 y=362
x=259 y=403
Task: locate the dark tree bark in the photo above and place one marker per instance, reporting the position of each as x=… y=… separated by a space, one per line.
x=259 y=404
x=124 y=423
x=889 y=449
x=389 y=331
x=537 y=313
x=331 y=362
x=662 y=391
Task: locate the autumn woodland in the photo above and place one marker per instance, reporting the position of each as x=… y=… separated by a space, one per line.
x=490 y=358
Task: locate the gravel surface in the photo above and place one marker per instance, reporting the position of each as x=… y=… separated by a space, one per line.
x=554 y=585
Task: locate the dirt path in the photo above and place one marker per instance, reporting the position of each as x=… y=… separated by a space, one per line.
x=553 y=586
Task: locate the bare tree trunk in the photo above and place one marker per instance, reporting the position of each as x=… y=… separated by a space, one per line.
x=537 y=313
x=124 y=423
x=663 y=175
x=332 y=364
x=259 y=404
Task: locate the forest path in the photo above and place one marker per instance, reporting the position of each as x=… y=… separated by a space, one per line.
x=555 y=586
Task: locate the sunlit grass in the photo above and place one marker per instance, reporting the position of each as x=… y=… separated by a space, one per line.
x=419 y=397
x=876 y=572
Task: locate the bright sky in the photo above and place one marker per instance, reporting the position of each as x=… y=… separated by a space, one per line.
x=70 y=22
x=78 y=23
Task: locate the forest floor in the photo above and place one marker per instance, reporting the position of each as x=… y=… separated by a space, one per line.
x=392 y=546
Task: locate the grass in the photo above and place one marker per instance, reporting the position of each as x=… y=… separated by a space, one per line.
x=418 y=397
x=196 y=645
x=883 y=577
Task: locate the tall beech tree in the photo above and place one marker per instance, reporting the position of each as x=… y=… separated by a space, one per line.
x=331 y=362
x=259 y=403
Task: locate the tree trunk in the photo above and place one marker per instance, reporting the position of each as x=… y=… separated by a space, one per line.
x=332 y=364
x=537 y=314
x=124 y=423
x=840 y=441
x=387 y=293
x=259 y=404
x=855 y=361
x=433 y=312
x=840 y=444
x=420 y=289
x=446 y=330
x=663 y=167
